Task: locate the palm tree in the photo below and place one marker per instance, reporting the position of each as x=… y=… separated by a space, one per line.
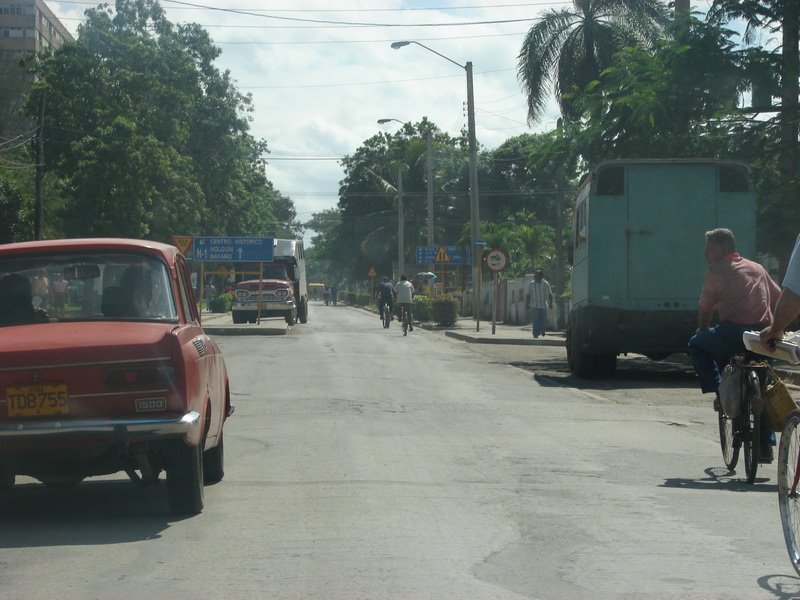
x=569 y=48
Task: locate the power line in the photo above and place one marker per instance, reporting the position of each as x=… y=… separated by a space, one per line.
x=251 y=13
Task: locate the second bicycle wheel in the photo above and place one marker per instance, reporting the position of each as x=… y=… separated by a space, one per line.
x=751 y=427
x=788 y=474
x=727 y=441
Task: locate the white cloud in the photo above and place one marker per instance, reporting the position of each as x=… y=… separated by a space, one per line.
x=318 y=89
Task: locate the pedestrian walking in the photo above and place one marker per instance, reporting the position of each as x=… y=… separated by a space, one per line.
x=538 y=299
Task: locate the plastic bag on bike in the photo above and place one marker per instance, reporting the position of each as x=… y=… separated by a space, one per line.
x=730 y=391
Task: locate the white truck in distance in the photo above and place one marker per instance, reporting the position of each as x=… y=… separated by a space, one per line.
x=280 y=292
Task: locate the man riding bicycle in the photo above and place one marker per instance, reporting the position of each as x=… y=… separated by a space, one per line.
x=385 y=296
x=404 y=293
x=788 y=307
x=744 y=295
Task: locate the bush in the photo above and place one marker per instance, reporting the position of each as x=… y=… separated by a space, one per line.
x=346 y=298
x=221 y=303
x=445 y=311
x=363 y=299
x=422 y=308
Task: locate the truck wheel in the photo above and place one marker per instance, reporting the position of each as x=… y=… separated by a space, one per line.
x=291 y=318
x=237 y=317
x=302 y=313
x=185 y=479
x=214 y=462
x=580 y=363
x=605 y=365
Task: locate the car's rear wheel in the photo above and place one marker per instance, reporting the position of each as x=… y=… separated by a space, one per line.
x=6 y=481
x=185 y=479
x=214 y=462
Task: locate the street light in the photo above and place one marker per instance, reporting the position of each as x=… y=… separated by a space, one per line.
x=429 y=175
x=475 y=227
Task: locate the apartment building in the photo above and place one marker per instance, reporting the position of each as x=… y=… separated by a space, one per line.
x=27 y=27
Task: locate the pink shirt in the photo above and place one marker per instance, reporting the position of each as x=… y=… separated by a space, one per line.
x=741 y=290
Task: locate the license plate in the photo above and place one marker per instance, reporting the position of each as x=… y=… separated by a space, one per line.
x=37 y=400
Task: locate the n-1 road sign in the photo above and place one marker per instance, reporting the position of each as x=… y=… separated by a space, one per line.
x=233 y=249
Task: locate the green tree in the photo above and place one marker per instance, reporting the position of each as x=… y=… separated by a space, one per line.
x=783 y=16
x=660 y=104
x=570 y=47
x=148 y=137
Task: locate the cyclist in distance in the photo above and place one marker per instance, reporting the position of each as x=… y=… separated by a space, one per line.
x=743 y=294
x=385 y=296
x=404 y=292
x=788 y=307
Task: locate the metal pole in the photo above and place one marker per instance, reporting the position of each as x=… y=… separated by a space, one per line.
x=38 y=223
x=429 y=168
x=400 y=225
x=475 y=229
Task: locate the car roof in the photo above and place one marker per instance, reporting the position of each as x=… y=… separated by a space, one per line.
x=110 y=244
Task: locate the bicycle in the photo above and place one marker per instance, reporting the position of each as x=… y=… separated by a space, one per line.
x=741 y=410
x=386 y=314
x=404 y=319
x=783 y=409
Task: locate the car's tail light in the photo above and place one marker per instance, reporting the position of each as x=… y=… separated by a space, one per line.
x=122 y=377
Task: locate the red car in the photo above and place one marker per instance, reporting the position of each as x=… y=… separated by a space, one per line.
x=104 y=367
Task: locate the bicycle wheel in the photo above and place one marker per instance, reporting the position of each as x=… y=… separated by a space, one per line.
x=728 y=440
x=387 y=316
x=751 y=428
x=788 y=475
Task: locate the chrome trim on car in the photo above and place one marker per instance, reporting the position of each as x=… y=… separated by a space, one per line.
x=156 y=427
x=99 y=363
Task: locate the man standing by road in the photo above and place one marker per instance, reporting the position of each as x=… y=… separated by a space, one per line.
x=540 y=297
x=743 y=294
x=404 y=292
x=788 y=307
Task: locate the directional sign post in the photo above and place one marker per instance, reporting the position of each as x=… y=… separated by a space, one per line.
x=233 y=249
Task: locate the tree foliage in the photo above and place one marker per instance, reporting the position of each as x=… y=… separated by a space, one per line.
x=568 y=48
x=148 y=137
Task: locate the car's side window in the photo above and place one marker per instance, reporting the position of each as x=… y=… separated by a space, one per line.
x=185 y=291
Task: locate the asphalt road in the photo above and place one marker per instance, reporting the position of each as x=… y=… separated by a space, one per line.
x=362 y=464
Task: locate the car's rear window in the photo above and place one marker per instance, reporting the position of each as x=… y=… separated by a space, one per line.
x=81 y=286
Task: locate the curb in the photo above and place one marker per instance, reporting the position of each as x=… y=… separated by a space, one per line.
x=465 y=337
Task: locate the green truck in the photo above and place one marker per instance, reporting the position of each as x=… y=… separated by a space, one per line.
x=637 y=253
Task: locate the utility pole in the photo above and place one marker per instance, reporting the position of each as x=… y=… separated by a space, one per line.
x=401 y=251
x=429 y=169
x=39 y=217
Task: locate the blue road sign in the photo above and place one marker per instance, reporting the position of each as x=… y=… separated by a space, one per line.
x=451 y=255
x=233 y=249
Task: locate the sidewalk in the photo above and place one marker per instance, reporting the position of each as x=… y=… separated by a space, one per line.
x=468 y=330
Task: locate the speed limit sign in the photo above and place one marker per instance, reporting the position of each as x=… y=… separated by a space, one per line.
x=496 y=259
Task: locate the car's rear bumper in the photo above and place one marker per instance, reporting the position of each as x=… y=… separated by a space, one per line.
x=151 y=428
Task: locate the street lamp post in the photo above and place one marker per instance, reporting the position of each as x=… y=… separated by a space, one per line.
x=475 y=227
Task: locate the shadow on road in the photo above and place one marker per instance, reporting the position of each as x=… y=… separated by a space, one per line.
x=632 y=373
x=92 y=513
x=720 y=478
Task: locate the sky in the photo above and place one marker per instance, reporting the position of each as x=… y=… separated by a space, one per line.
x=322 y=73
